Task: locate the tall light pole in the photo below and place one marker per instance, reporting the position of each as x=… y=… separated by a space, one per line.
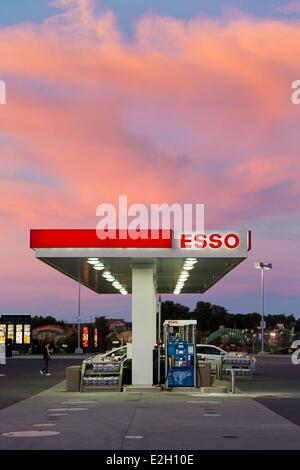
x=78 y=350
x=262 y=267
x=159 y=340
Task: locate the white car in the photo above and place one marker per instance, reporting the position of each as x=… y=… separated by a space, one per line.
x=214 y=354
x=210 y=353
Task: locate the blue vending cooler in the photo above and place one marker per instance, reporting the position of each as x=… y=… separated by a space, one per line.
x=181 y=354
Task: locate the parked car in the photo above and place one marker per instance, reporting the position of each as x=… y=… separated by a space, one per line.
x=210 y=353
x=213 y=354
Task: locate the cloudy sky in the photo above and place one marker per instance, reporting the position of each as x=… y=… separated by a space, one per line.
x=164 y=101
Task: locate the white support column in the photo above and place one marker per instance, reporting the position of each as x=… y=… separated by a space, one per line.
x=154 y=328
x=143 y=318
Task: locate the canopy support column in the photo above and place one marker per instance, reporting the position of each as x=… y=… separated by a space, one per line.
x=143 y=324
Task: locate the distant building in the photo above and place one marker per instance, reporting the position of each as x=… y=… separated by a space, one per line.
x=18 y=329
x=118 y=325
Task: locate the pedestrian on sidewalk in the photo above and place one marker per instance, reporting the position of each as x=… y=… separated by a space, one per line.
x=46 y=357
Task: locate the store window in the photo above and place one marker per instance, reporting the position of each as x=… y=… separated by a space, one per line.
x=11 y=332
x=19 y=334
x=2 y=333
x=27 y=334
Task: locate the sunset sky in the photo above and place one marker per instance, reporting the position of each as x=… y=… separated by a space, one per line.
x=164 y=101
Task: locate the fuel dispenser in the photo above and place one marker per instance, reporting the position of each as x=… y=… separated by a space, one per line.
x=181 y=358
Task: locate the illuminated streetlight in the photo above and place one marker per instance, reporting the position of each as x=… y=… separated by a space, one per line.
x=262 y=267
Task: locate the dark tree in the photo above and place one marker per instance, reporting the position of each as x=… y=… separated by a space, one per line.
x=173 y=311
x=49 y=320
x=102 y=324
x=210 y=317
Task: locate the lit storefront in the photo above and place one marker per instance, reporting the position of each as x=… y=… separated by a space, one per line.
x=18 y=330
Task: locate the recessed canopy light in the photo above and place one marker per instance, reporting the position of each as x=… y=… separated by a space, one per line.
x=191 y=260
x=184 y=275
x=93 y=261
x=188 y=267
x=98 y=267
x=106 y=274
x=117 y=285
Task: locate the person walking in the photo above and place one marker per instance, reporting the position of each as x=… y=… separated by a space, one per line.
x=46 y=356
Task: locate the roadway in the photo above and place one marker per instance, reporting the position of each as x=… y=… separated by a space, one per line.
x=22 y=379
x=277 y=386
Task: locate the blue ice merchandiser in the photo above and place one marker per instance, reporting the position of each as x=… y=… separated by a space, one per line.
x=181 y=353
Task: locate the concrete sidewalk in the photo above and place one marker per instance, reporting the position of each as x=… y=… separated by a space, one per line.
x=111 y=420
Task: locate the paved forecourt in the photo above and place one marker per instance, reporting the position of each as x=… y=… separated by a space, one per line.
x=143 y=421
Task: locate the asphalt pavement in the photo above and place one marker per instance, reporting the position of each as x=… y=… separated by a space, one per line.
x=263 y=415
x=22 y=379
x=278 y=379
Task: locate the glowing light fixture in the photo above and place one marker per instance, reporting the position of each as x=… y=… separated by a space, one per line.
x=184 y=275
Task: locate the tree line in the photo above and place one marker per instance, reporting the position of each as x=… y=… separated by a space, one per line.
x=210 y=317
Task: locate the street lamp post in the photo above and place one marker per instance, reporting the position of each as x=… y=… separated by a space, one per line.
x=159 y=340
x=262 y=267
x=78 y=350
x=253 y=343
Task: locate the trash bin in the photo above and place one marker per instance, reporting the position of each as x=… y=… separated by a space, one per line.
x=73 y=377
x=8 y=347
x=204 y=374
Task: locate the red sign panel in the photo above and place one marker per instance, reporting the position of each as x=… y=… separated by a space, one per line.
x=85 y=337
x=95 y=342
x=87 y=238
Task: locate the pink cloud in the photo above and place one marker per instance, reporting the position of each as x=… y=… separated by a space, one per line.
x=187 y=111
x=290 y=7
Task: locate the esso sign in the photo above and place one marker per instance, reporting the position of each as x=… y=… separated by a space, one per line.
x=212 y=240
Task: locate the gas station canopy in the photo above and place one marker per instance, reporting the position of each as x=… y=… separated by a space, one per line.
x=84 y=257
x=157 y=261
